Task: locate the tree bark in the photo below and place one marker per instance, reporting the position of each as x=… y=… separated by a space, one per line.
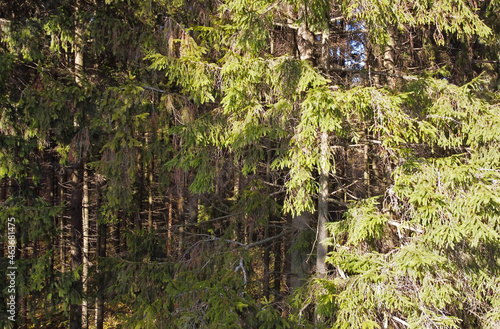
x=117 y=236
x=389 y=59
x=299 y=269
x=78 y=46
x=366 y=173
x=305 y=38
x=85 y=249
x=75 y=314
x=267 y=260
x=142 y=174
x=193 y=201
x=169 y=224
x=267 y=247
x=62 y=236
x=325 y=50
x=322 y=233
x=180 y=208
x=150 y=195
x=278 y=266
x=101 y=253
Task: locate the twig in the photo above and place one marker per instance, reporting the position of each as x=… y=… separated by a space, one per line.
x=153 y=89
x=257 y=243
x=403 y=322
x=366 y=72
x=399 y=225
x=240 y=266
x=485 y=62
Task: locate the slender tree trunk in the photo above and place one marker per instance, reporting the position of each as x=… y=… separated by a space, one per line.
x=3 y=195
x=169 y=223
x=150 y=196
x=193 y=200
x=78 y=45
x=21 y=256
x=267 y=260
x=23 y=298
x=117 y=236
x=85 y=249
x=53 y=202
x=325 y=50
x=62 y=236
x=236 y=193
x=217 y=171
x=389 y=59
x=322 y=233
x=180 y=210
x=378 y=180
x=366 y=173
x=141 y=179
x=75 y=312
x=101 y=253
x=277 y=268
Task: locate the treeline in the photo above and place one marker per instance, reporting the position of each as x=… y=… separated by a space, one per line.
x=251 y=164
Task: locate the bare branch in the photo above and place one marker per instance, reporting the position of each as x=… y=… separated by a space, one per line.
x=408 y=227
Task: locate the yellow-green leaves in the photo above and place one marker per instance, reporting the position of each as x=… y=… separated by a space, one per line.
x=444 y=17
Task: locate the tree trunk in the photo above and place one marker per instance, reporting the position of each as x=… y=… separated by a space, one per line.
x=101 y=253
x=193 y=200
x=305 y=38
x=366 y=173
x=3 y=195
x=180 y=209
x=267 y=256
x=78 y=46
x=85 y=249
x=169 y=224
x=141 y=185
x=236 y=193
x=267 y=260
x=117 y=236
x=150 y=195
x=23 y=298
x=325 y=50
x=389 y=59
x=322 y=233
x=75 y=313
x=277 y=268
x=62 y=236
x=299 y=269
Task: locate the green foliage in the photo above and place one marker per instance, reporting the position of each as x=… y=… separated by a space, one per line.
x=208 y=290
x=430 y=245
x=363 y=223
x=446 y=17
x=270 y=318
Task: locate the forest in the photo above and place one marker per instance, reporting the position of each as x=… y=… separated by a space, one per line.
x=250 y=164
